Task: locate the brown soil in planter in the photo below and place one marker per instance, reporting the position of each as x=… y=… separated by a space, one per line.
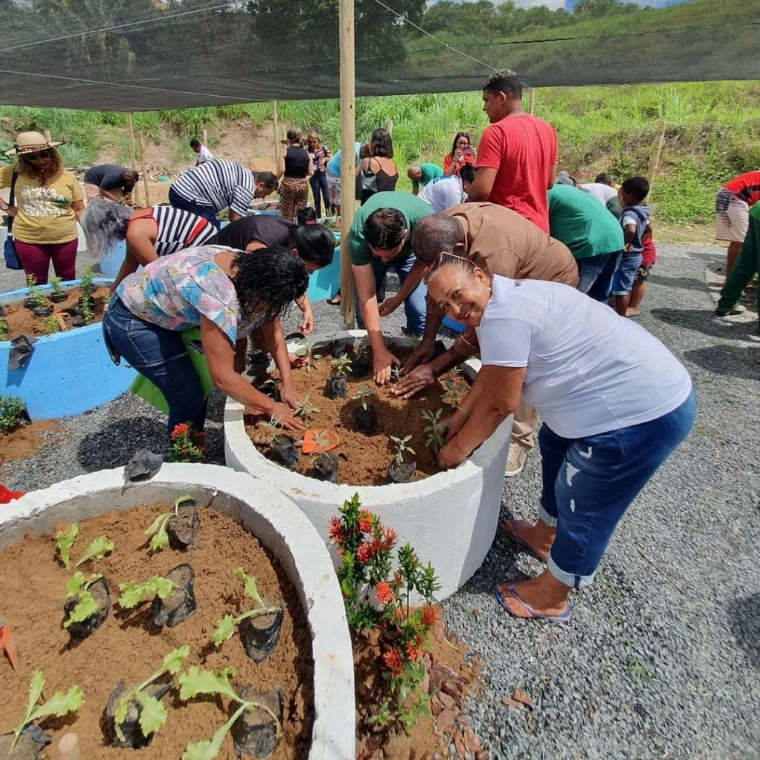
x=448 y=681
x=130 y=647
x=363 y=460
x=26 y=440
x=21 y=321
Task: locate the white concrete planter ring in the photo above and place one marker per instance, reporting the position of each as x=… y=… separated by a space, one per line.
x=263 y=512
x=450 y=517
x=68 y=372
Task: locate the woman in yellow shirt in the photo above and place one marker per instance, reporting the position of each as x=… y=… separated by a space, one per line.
x=48 y=201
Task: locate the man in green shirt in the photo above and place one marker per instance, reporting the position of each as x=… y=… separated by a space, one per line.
x=593 y=235
x=423 y=175
x=381 y=239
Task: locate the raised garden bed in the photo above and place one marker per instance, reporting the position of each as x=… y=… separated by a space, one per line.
x=421 y=512
x=292 y=657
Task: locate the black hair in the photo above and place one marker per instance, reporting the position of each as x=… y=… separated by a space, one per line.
x=636 y=187
x=435 y=234
x=306 y=215
x=314 y=243
x=384 y=228
x=456 y=140
x=131 y=177
x=195 y=142
x=506 y=81
x=268 y=179
x=381 y=144
x=467 y=173
x=268 y=282
x=604 y=178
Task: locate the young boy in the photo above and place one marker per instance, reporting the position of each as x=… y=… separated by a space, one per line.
x=635 y=223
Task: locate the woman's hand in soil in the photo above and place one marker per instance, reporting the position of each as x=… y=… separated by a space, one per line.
x=290 y=396
x=450 y=456
x=307 y=325
x=455 y=423
x=388 y=306
x=283 y=414
x=418 y=379
x=382 y=364
x=422 y=354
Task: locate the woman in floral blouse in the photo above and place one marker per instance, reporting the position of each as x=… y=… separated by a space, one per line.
x=228 y=294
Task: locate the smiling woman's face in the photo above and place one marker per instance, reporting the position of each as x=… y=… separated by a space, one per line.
x=461 y=293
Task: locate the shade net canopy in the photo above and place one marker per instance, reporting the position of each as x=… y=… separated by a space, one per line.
x=139 y=55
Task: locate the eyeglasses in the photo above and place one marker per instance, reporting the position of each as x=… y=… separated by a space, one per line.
x=439 y=260
x=41 y=154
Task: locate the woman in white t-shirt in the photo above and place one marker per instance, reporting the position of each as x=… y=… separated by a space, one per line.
x=614 y=401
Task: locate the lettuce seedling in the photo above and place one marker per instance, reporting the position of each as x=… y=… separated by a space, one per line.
x=133 y=593
x=157 y=531
x=64 y=540
x=60 y=704
x=195 y=682
x=77 y=586
x=153 y=714
x=97 y=549
x=226 y=627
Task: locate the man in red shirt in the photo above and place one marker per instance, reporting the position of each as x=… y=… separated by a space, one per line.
x=517 y=155
x=732 y=205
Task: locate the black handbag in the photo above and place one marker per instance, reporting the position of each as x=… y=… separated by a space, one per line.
x=367 y=182
x=9 y=249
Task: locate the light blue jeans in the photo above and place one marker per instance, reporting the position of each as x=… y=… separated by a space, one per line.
x=589 y=483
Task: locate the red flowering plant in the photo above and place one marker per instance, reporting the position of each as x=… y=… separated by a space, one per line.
x=187 y=444
x=377 y=597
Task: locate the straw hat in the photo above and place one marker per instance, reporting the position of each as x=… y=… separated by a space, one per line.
x=30 y=142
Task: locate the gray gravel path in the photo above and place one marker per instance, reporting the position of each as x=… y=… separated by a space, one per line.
x=662 y=658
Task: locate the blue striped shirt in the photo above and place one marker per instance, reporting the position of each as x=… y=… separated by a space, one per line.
x=220 y=184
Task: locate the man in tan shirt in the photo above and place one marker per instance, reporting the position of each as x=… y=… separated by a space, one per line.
x=501 y=242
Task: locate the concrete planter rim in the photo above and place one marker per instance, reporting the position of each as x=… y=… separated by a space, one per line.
x=333 y=731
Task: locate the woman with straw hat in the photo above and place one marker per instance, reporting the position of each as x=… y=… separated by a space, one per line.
x=48 y=201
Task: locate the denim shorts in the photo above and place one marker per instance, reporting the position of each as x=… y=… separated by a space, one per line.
x=622 y=281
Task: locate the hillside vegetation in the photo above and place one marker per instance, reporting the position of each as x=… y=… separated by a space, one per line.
x=712 y=132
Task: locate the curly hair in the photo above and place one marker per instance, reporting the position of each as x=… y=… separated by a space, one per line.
x=104 y=223
x=267 y=283
x=27 y=167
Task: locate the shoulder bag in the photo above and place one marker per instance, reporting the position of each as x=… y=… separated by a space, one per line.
x=9 y=249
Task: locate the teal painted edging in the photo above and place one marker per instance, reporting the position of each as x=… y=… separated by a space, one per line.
x=68 y=373
x=325 y=283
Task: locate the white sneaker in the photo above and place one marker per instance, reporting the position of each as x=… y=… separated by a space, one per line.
x=515 y=460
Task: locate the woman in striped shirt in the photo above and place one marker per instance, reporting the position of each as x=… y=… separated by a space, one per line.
x=150 y=232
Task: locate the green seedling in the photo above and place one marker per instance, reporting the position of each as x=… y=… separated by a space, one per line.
x=363 y=394
x=304 y=409
x=321 y=442
x=307 y=351
x=270 y=388
x=11 y=413
x=341 y=365
x=86 y=289
x=157 y=531
x=360 y=352
x=60 y=704
x=51 y=325
x=451 y=394
x=436 y=429
x=226 y=626
x=4 y=329
x=34 y=293
x=55 y=283
x=97 y=549
x=401 y=448
x=133 y=593
x=196 y=682
x=153 y=714
x=78 y=586
x=64 y=541
x=395 y=374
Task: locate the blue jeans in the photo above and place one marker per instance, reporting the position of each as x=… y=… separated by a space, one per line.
x=414 y=306
x=622 y=280
x=589 y=483
x=206 y=212
x=595 y=275
x=318 y=181
x=158 y=354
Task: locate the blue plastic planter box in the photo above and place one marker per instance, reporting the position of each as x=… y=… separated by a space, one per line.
x=325 y=283
x=68 y=373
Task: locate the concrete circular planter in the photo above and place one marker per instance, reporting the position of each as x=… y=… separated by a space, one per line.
x=450 y=518
x=265 y=513
x=68 y=372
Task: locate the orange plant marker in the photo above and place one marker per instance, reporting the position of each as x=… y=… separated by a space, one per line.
x=319 y=441
x=8 y=645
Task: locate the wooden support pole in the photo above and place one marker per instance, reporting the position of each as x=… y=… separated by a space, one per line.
x=131 y=137
x=276 y=134
x=347 y=168
x=48 y=136
x=654 y=167
x=205 y=136
x=532 y=101
x=144 y=173
x=389 y=127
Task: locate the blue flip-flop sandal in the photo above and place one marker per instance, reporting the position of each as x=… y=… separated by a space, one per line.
x=563 y=618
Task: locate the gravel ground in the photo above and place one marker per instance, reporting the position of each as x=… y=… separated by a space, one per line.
x=662 y=658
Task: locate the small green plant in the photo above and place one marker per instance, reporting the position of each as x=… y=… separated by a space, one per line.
x=4 y=329
x=60 y=704
x=307 y=351
x=270 y=387
x=34 y=293
x=304 y=409
x=153 y=714
x=435 y=429
x=11 y=413
x=86 y=290
x=401 y=447
x=451 y=395
x=78 y=587
x=226 y=626
x=51 y=325
x=133 y=593
x=195 y=682
x=360 y=352
x=157 y=530
x=321 y=442
x=341 y=365
x=363 y=394
x=395 y=374
x=55 y=283
x=97 y=549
